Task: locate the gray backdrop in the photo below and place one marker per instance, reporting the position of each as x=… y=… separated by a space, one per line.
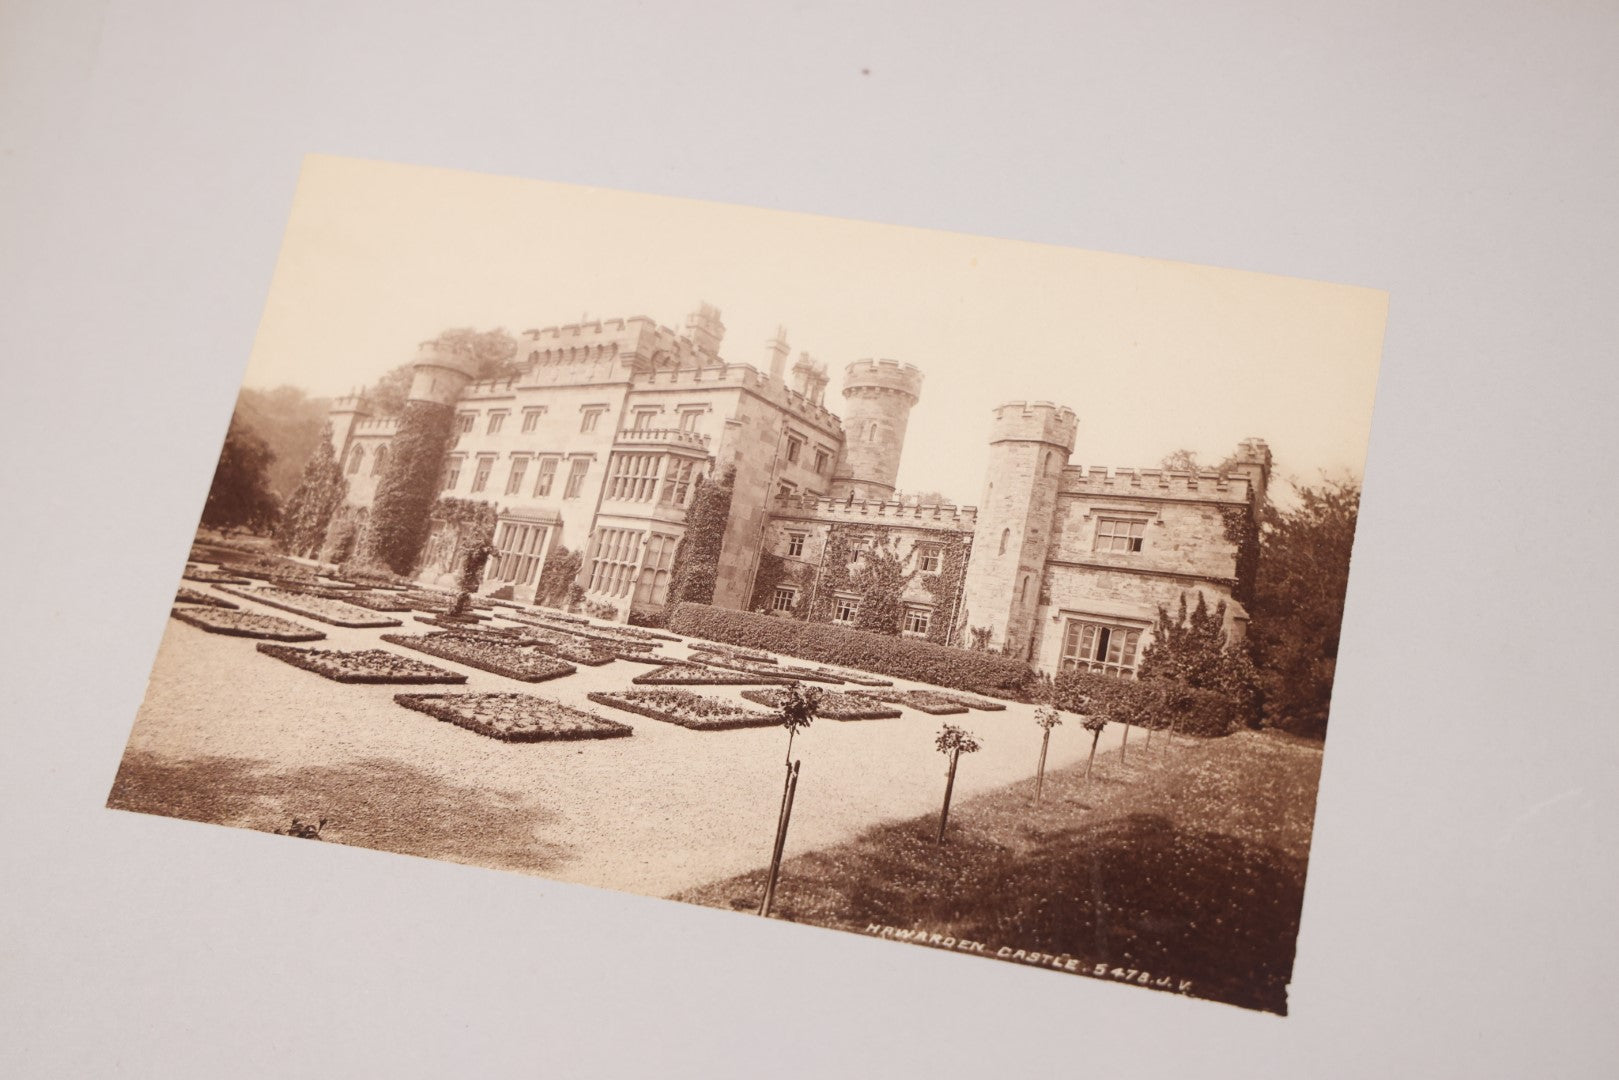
x=1460 y=156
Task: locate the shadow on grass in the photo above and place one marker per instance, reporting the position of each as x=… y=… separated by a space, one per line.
x=375 y=803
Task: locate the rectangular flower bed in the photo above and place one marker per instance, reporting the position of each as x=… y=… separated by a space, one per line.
x=986 y=704
x=859 y=678
x=687 y=709
x=802 y=674
x=834 y=705
x=371 y=601
x=927 y=701
x=702 y=675
x=487 y=652
x=515 y=717
x=215 y=577
x=245 y=624
x=319 y=608
x=361 y=666
x=563 y=645
x=197 y=596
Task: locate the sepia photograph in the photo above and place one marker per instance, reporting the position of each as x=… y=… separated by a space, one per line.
x=960 y=593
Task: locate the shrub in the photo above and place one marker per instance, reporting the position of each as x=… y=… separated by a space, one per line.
x=401 y=510
x=1153 y=703
x=904 y=658
x=697 y=558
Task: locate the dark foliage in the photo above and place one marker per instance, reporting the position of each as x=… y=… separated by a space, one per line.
x=905 y=658
x=240 y=496
x=696 y=564
x=402 y=510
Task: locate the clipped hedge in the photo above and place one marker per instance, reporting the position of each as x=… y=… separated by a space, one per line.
x=1154 y=703
x=903 y=658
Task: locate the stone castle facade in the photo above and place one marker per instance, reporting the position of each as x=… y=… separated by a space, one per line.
x=597 y=443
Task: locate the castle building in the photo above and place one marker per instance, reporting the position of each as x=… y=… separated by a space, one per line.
x=597 y=443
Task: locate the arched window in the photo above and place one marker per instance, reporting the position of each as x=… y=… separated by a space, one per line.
x=871 y=432
x=357 y=456
x=1023 y=590
x=1006 y=538
x=1050 y=458
x=379 y=461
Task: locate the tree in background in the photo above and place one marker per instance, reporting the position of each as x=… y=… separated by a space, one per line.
x=695 y=570
x=240 y=496
x=291 y=422
x=491 y=354
x=320 y=491
x=1298 y=605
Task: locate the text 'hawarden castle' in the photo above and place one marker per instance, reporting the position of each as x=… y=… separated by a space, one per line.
x=598 y=442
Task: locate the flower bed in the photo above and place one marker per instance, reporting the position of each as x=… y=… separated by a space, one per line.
x=336 y=612
x=859 y=678
x=197 y=596
x=734 y=652
x=515 y=717
x=803 y=674
x=371 y=601
x=362 y=666
x=563 y=645
x=985 y=704
x=977 y=672
x=927 y=701
x=642 y=633
x=449 y=622
x=487 y=652
x=687 y=709
x=834 y=705
x=245 y=624
x=701 y=675
x=215 y=577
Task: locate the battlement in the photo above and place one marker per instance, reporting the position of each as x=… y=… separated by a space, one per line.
x=1206 y=486
x=381 y=425
x=877 y=512
x=748 y=377
x=1035 y=421
x=351 y=403
x=883 y=375
x=1254 y=451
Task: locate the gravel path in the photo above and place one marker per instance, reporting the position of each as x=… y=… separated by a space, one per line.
x=664 y=810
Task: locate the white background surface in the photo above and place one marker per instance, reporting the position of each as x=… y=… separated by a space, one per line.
x=1461 y=156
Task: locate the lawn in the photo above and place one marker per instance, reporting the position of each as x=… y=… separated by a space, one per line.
x=1183 y=870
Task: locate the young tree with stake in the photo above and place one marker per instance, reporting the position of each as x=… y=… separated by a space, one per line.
x=799 y=705
x=1094 y=725
x=954 y=742
x=1047 y=717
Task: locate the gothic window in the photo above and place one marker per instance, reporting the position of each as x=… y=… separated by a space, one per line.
x=1100 y=647
x=653 y=586
x=643 y=419
x=480 y=478
x=518 y=559
x=1023 y=590
x=576 y=477
x=871 y=431
x=1120 y=535
x=1006 y=538
x=689 y=418
x=588 y=417
x=633 y=477
x=677 y=479
x=355 y=457
x=547 y=476
x=380 y=461
x=614 y=554
x=514 y=481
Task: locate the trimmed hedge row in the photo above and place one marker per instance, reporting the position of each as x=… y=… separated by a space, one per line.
x=1154 y=703
x=903 y=658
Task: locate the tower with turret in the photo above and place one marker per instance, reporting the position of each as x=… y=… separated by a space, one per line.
x=1030 y=443
x=438 y=376
x=880 y=396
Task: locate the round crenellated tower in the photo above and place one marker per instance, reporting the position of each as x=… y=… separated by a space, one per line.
x=880 y=395
x=1030 y=443
x=438 y=376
